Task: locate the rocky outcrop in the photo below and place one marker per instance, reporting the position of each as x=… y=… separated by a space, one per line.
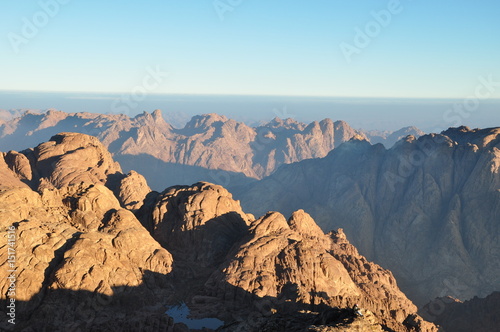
x=66 y=159
x=198 y=224
x=286 y=266
x=427 y=209
x=237 y=265
x=15 y=171
x=250 y=272
x=70 y=158
x=73 y=240
x=279 y=261
x=131 y=190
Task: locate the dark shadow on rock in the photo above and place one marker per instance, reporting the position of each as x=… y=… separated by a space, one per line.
x=138 y=308
x=476 y=314
x=198 y=251
x=142 y=308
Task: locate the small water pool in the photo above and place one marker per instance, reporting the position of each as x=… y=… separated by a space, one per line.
x=180 y=314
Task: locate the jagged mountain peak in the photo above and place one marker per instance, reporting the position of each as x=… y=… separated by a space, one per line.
x=152 y=120
x=157 y=114
x=301 y=222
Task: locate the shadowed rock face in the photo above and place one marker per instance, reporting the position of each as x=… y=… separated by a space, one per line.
x=477 y=314
x=96 y=266
x=427 y=209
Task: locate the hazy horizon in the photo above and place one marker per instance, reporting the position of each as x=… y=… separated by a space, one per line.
x=428 y=114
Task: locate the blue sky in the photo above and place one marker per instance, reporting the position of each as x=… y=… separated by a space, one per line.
x=429 y=49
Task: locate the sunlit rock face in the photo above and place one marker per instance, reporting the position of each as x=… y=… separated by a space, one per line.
x=75 y=246
x=95 y=249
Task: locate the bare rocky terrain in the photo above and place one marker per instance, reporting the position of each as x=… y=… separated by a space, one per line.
x=428 y=209
x=97 y=250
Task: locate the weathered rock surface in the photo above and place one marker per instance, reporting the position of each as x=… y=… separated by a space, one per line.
x=75 y=247
x=258 y=267
x=70 y=158
x=88 y=263
x=198 y=224
x=427 y=209
x=288 y=266
x=132 y=190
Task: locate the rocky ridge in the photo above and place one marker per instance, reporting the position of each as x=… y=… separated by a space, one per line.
x=78 y=259
x=427 y=209
x=210 y=146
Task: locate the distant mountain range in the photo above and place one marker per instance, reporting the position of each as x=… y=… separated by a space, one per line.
x=209 y=147
x=389 y=138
